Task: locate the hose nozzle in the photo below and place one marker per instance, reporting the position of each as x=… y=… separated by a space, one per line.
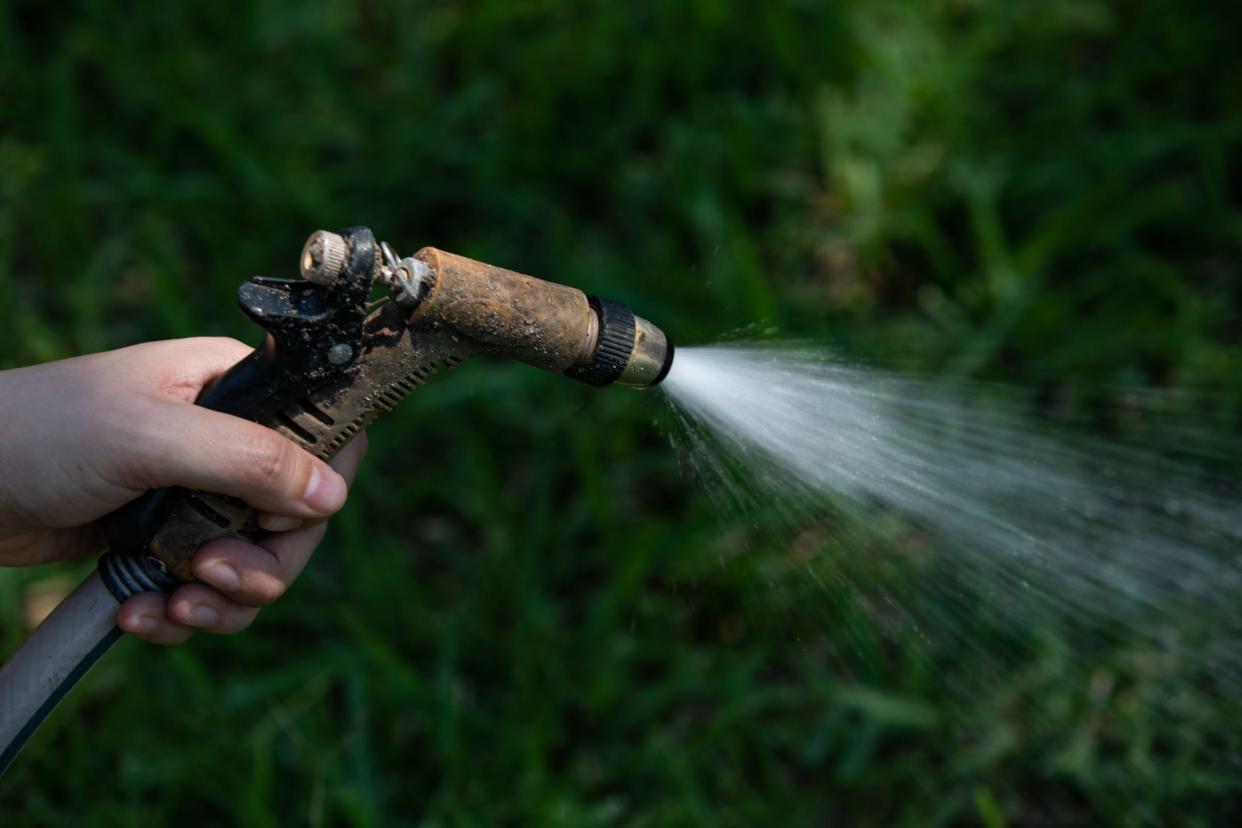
x=495 y=311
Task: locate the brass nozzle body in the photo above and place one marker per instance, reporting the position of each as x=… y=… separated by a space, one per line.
x=548 y=325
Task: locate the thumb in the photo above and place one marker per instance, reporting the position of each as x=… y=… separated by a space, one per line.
x=196 y=448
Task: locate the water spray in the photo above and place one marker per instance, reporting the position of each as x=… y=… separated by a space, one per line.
x=1050 y=538
x=333 y=361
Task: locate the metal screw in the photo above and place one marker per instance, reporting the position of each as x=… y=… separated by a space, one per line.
x=413 y=279
x=323 y=258
x=340 y=353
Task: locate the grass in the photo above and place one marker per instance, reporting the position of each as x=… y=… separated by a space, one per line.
x=529 y=614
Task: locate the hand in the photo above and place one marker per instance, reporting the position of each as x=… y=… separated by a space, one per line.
x=82 y=437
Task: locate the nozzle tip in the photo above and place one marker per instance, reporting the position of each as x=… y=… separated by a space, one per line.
x=651 y=357
x=668 y=360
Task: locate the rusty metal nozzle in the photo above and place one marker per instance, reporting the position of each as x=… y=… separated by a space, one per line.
x=490 y=310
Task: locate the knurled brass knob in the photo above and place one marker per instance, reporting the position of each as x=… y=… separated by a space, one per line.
x=323 y=258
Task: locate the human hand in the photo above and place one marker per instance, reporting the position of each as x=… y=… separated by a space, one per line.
x=82 y=437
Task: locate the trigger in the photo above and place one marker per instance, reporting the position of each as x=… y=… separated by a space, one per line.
x=281 y=304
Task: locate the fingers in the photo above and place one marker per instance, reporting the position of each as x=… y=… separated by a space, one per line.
x=201 y=607
x=252 y=575
x=346 y=464
x=237 y=578
x=169 y=620
x=185 y=445
x=143 y=616
x=255 y=575
x=183 y=366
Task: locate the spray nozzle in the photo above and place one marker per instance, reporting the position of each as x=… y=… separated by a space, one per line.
x=490 y=310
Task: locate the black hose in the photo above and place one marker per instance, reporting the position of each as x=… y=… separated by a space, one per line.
x=52 y=660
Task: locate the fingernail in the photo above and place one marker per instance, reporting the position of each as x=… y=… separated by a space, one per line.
x=202 y=616
x=278 y=523
x=221 y=575
x=144 y=625
x=326 y=490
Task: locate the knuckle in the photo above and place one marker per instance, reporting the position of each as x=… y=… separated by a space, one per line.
x=130 y=439
x=272 y=589
x=222 y=349
x=225 y=343
x=264 y=590
x=270 y=461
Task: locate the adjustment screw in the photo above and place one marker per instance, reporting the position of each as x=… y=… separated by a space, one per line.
x=323 y=258
x=340 y=353
x=413 y=280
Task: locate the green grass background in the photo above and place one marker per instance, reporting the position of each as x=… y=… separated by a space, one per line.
x=528 y=613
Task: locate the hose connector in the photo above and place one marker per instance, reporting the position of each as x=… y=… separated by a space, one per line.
x=126 y=574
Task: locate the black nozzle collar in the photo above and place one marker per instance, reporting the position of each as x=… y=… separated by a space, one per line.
x=613 y=346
